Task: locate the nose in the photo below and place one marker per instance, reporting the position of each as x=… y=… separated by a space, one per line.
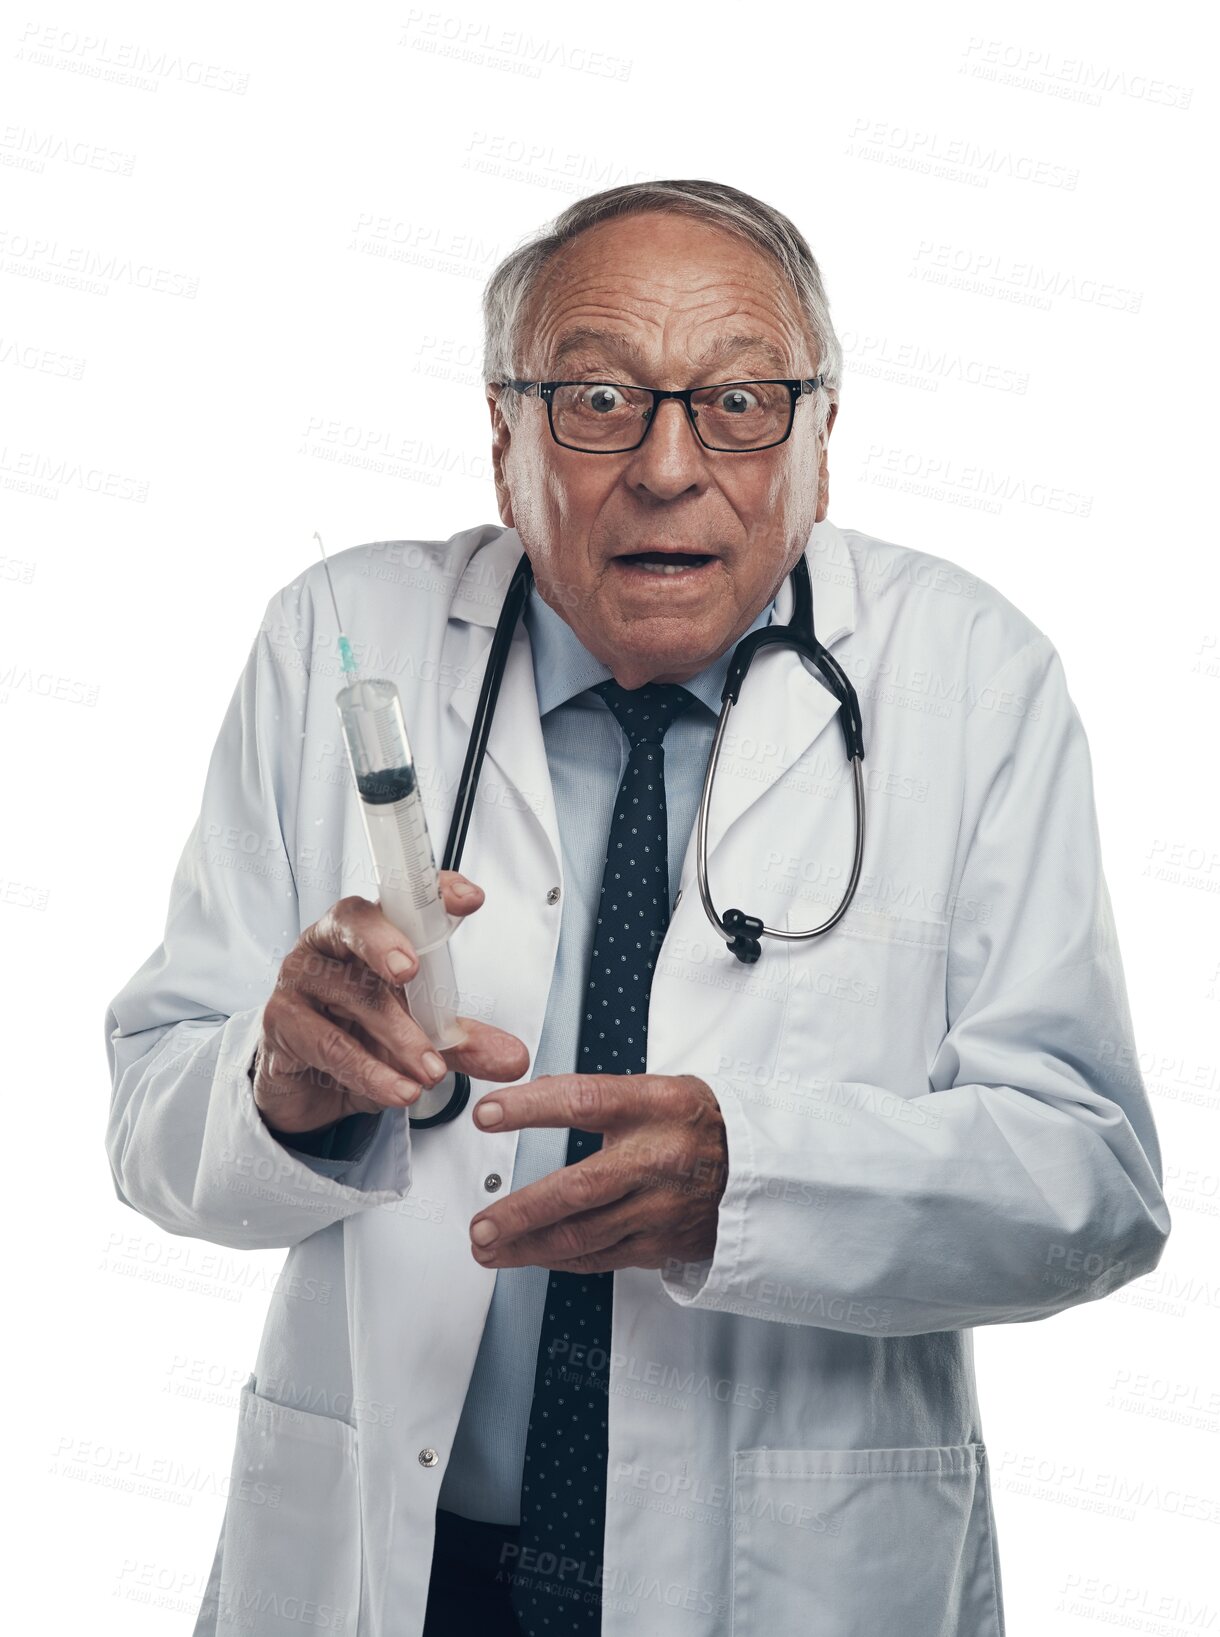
x=670 y=460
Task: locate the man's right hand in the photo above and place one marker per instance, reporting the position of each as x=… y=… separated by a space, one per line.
x=337 y=1035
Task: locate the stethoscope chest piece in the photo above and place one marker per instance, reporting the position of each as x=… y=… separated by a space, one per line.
x=455 y=1092
x=746 y=932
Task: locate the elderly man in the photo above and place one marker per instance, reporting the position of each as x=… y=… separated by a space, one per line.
x=669 y=1329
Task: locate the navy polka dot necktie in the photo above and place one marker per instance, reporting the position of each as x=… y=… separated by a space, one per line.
x=557 y=1588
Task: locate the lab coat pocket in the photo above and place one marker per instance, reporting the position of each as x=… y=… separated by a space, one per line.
x=292 y=1539
x=852 y=1542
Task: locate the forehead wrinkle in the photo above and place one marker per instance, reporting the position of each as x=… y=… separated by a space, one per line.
x=591 y=338
x=608 y=292
x=597 y=335
x=588 y=341
x=719 y=351
x=594 y=320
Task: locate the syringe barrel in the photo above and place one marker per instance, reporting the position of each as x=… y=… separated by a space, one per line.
x=403 y=861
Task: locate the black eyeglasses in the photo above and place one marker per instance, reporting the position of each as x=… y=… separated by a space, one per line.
x=603 y=417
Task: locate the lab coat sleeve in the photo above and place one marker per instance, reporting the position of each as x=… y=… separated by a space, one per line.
x=187 y=1145
x=1025 y=1175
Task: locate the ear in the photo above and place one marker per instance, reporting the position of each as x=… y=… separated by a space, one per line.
x=501 y=437
x=824 y=466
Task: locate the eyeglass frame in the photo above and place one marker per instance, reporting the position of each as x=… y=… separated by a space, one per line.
x=798 y=388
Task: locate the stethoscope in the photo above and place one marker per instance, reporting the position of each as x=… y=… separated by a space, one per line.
x=743 y=933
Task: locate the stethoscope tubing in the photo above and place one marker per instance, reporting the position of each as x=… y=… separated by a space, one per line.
x=742 y=933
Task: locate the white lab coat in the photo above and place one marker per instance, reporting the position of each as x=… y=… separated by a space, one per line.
x=931 y=1116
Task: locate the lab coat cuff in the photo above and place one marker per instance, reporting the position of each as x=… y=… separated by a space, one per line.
x=336 y=1147
x=699 y=1284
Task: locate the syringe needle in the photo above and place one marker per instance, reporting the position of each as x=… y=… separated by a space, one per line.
x=347 y=658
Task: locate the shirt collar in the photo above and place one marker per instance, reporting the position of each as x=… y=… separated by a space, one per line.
x=564 y=667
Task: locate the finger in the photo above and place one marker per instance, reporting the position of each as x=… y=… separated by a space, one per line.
x=459 y=893
x=568 y=1244
x=628 y=1253
x=380 y=1052
x=625 y=1253
x=384 y=1015
x=349 y=988
x=488 y=1053
x=575 y=1189
x=355 y=931
x=319 y=1043
x=588 y=1102
x=356 y=927
x=291 y=1097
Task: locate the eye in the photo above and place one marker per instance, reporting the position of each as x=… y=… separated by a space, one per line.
x=738 y=400
x=601 y=398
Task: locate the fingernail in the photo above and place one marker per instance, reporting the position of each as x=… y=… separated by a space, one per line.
x=401 y=965
x=465 y=889
x=484 y=1232
x=489 y=1113
x=435 y=1065
x=408 y=1090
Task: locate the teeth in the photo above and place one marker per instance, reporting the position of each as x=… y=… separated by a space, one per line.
x=666 y=568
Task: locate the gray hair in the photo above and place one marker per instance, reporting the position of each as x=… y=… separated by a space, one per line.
x=510 y=287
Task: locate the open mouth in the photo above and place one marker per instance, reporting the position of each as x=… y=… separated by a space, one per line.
x=665 y=564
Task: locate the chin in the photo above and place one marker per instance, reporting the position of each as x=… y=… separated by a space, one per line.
x=651 y=659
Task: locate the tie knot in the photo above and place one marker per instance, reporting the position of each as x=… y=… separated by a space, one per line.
x=645 y=714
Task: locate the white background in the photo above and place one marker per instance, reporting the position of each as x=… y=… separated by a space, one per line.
x=240 y=276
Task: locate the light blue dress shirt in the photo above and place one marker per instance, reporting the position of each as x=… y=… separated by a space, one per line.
x=587 y=755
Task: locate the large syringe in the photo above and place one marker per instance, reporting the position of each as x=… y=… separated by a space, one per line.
x=375 y=733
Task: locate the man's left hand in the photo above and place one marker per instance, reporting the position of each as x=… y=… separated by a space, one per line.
x=649 y=1195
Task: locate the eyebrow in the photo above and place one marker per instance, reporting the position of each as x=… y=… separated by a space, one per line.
x=587 y=342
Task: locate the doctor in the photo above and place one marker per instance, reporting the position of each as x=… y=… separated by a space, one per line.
x=670 y=1331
